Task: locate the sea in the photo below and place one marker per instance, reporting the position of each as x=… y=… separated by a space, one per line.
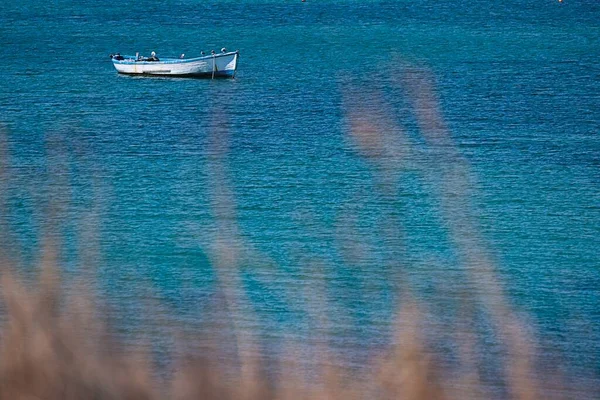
x=367 y=155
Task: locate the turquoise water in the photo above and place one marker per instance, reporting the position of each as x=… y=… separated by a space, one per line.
x=149 y=172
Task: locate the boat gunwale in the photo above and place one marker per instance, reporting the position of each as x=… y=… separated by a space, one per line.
x=128 y=60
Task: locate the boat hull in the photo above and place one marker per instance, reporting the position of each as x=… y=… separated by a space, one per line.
x=223 y=65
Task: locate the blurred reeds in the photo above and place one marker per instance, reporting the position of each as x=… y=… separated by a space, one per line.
x=56 y=347
x=55 y=343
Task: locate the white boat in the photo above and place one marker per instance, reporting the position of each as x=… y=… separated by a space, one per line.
x=215 y=65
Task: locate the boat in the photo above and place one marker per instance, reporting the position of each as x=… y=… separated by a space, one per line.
x=214 y=65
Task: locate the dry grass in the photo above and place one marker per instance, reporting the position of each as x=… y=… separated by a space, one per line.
x=54 y=346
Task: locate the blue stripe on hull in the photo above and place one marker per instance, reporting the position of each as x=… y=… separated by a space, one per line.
x=218 y=74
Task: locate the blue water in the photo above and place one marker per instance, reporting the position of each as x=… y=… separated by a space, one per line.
x=148 y=173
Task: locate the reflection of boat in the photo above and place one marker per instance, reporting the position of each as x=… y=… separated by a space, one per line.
x=216 y=65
